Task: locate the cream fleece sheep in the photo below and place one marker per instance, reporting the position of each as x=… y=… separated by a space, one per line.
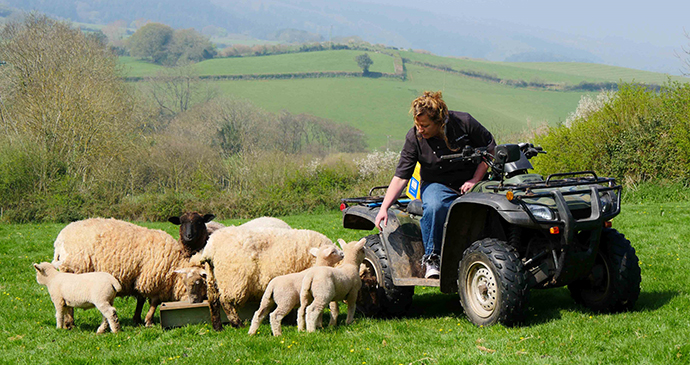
x=284 y=290
x=95 y=289
x=322 y=285
x=262 y=222
x=142 y=259
x=242 y=261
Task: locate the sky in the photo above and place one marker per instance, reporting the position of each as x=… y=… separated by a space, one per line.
x=655 y=29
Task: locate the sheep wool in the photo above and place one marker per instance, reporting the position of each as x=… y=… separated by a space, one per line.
x=143 y=260
x=244 y=261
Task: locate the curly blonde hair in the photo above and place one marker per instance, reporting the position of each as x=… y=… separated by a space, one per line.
x=430 y=104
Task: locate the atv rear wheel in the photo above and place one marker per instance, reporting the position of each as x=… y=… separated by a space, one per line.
x=613 y=284
x=492 y=283
x=378 y=296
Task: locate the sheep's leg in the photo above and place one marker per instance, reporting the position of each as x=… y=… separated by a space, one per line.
x=333 y=306
x=59 y=314
x=276 y=318
x=103 y=326
x=305 y=300
x=232 y=315
x=213 y=298
x=258 y=317
x=351 y=306
x=136 y=318
x=68 y=321
x=109 y=318
x=153 y=305
x=314 y=310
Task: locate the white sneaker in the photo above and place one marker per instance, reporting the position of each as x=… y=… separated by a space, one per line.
x=432 y=267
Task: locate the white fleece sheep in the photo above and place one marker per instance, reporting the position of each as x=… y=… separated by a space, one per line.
x=323 y=285
x=242 y=261
x=262 y=222
x=95 y=289
x=143 y=260
x=284 y=290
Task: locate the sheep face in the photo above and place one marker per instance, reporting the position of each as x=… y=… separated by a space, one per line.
x=194 y=279
x=42 y=271
x=193 y=233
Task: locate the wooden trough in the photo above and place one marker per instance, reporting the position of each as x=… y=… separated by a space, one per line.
x=178 y=314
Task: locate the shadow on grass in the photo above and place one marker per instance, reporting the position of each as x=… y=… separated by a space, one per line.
x=544 y=305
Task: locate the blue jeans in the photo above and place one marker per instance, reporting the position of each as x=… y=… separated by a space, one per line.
x=436 y=201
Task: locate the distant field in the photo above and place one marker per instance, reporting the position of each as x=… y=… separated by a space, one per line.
x=570 y=73
x=379 y=106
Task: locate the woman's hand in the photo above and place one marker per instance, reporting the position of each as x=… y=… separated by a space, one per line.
x=381 y=217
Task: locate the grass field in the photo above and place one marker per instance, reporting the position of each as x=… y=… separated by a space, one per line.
x=435 y=332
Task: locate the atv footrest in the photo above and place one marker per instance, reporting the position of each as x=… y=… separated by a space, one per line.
x=416 y=282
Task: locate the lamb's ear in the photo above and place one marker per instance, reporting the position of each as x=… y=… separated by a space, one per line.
x=182 y=271
x=174 y=220
x=314 y=251
x=361 y=243
x=37 y=267
x=208 y=218
x=341 y=243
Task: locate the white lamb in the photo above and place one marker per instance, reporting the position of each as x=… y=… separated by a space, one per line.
x=143 y=260
x=95 y=289
x=322 y=285
x=240 y=263
x=284 y=290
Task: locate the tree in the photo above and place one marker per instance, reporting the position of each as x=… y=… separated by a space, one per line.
x=364 y=62
x=686 y=61
x=151 y=41
x=174 y=89
x=66 y=101
x=189 y=46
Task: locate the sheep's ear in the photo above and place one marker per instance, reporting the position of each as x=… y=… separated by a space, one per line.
x=181 y=271
x=341 y=243
x=37 y=267
x=314 y=251
x=361 y=243
x=208 y=218
x=174 y=220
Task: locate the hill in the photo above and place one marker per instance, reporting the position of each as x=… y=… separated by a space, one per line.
x=379 y=106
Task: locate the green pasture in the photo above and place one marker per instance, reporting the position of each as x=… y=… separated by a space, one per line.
x=379 y=107
x=568 y=73
x=323 y=61
x=557 y=330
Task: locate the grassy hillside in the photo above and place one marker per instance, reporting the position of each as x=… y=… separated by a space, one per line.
x=379 y=106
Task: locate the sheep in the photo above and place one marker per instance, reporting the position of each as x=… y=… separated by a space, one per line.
x=240 y=262
x=142 y=259
x=194 y=231
x=323 y=285
x=283 y=291
x=262 y=222
x=94 y=289
x=194 y=279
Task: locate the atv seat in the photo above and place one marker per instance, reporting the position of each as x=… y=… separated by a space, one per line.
x=415 y=207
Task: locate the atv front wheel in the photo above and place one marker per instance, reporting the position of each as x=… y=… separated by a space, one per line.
x=492 y=283
x=613 y=284
x=378 y=296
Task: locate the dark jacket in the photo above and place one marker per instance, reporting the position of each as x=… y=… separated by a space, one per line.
x=461 y=129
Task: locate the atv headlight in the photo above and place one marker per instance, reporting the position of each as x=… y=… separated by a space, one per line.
x=541 y=212
x=608 y=200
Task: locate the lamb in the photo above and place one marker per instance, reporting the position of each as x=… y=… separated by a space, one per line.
x=94 y=289
x=240 y=262
x=262 y=222
x=142 y=259
x=322 y=285
x=284 y=291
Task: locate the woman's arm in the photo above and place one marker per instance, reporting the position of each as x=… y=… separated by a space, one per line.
x=394 y=189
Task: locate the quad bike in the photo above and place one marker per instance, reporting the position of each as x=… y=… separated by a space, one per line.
x=511 y=233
